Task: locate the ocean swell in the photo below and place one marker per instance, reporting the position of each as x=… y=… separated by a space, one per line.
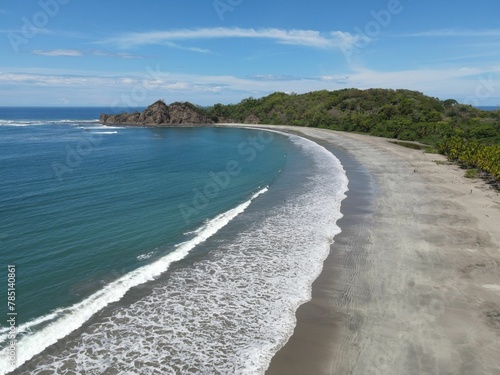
x=64 y=321
x=231 y=312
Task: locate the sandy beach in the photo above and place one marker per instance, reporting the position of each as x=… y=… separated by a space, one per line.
x=412 y=284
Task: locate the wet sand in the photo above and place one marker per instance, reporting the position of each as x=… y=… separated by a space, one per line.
x=412 y=284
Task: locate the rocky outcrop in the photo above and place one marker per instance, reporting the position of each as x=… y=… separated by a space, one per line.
x=160 y=114
x=252 y=119
x=187 y=113
x=156 y=114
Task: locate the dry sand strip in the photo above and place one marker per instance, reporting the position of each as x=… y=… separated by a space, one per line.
x=414 y=288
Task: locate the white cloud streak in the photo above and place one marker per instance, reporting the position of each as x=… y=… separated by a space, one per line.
x=207 y=89
x=79 y=53
x=305 y=38
x=58 y=52
x=121 y=55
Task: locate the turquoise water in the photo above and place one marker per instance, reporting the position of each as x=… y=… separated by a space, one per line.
x=137 y=242
x=117 y=207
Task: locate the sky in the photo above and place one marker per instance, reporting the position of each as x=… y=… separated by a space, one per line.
x=130 y=53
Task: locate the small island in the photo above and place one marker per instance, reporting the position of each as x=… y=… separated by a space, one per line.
x=160 y=114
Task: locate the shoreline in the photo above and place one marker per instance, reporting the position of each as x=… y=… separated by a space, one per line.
x=412 y=285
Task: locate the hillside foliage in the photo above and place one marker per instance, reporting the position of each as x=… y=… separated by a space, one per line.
x=464 y=133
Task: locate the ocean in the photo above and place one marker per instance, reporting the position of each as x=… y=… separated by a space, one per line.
x=156 y=250
x=488 y=108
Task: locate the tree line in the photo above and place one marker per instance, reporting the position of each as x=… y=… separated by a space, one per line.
x=473 y=154
x=405 y=115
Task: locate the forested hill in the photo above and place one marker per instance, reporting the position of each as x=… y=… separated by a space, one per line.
x=401 y=114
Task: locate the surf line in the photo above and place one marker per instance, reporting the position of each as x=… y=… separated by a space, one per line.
x=67 y=320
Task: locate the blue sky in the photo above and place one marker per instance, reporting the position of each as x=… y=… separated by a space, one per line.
x=131 y=53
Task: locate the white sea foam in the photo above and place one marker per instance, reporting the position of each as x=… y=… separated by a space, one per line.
x=68 y=121
x=73 y=121
x=230 y=313
x=98 y=126
x=115 y=132
x=21 y=123
x=72 y=318
x=146 y=256
x=45 y=122
x=28 y=326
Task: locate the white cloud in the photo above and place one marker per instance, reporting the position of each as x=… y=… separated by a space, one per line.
x=58 y=52
x=460 y=83
x=121 y=55
x=305 y=38
x=340 y=79
x=271 y=77
x=78 y=53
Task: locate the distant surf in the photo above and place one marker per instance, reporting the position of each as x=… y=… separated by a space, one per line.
x=54 y=122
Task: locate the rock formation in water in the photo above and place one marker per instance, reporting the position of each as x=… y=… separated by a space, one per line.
x=160 y=114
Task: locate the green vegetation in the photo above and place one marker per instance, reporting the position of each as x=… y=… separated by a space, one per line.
x=442 y=162
x=472 y=173
x=416 y=146
x=465 y=134
x=412 y=145
x=473 y=154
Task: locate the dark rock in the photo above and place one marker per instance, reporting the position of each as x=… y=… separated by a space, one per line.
x=161 y=114
x=156 y=114
x=134 y=117
x=252 y=119
x=187 y=113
